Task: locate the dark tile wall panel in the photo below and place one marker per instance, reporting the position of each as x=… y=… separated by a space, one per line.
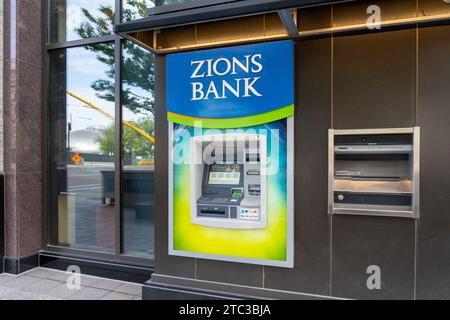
x=95 y=268
x=374 y=80
x=433 y=265
x=230 y=272
x=374 y=87
x=164 y=264
x=312 y=120
x=361 y=241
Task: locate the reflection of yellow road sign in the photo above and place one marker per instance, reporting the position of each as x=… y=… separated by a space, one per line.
x=76 y=158
x=145 y=163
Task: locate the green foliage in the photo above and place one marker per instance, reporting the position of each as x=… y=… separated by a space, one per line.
x=107 y=140
x=133 y=142
x=140 y=10
x=137 y=64
x=138 y=144
x=137 y=76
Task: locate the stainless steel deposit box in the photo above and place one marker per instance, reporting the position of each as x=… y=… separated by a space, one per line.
x=374 y=172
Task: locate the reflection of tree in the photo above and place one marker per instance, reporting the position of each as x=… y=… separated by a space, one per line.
x=139 y=145
x=107 y=140
x=132 y=141
x=137 y=75
x=137 y=65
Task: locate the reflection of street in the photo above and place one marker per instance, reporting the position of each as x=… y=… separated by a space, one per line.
x=86 y=180
x=95 y=221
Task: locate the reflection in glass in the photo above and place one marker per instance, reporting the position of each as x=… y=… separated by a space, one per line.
x=80 y=19
x=137 y=9
x=138 y=151
x=82 y=148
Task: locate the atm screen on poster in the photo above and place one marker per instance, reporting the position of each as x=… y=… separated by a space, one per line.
x=224 y=174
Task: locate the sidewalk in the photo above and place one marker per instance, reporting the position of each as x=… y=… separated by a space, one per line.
x=49 y=284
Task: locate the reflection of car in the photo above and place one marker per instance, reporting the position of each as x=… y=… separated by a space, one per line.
x=85 y=141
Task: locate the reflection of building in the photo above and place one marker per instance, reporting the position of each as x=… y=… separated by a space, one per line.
x=85 y=141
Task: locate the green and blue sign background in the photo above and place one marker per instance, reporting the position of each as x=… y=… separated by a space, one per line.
x=272 y=114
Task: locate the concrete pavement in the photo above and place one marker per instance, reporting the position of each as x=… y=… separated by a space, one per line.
x=49 y=284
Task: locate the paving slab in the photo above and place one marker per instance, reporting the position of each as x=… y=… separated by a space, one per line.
x=119 y=296
x=56 y=275
x=88 y=293
x=106 y=284
x=130 y=288
x=5 y=277
x=21 y=282
x=62 y=291
x=14 y=294
x=5 y=292
x=44 y=284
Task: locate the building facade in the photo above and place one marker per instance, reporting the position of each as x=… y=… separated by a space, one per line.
x=87 y=117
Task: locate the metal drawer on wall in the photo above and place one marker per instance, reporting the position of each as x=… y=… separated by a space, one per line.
x=374 y=172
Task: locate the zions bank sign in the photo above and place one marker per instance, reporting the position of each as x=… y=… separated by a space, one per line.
x=234 y=86
x=250 y=65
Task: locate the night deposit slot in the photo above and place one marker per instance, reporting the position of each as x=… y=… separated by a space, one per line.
x=228 y=188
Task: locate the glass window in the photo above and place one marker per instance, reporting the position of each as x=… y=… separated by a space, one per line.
x=82 y=147
x=138 y=9
x=138 y=151
x=80 y=19
x=82 y=204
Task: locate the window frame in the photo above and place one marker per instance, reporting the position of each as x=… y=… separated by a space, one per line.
x=118 y=256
